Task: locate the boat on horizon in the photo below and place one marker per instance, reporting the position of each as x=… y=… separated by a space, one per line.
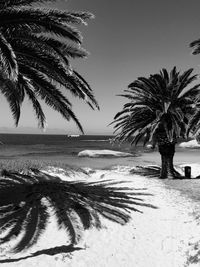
x=73 y=135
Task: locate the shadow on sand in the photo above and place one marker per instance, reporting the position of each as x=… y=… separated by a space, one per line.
x=154 y=172
x=50 y=252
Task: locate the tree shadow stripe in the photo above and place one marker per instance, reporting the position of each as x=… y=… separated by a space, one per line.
x=50 y=252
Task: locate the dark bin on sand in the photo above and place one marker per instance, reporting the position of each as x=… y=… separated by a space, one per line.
x=187 y=171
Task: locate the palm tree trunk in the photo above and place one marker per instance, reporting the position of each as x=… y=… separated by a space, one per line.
x=167 y=152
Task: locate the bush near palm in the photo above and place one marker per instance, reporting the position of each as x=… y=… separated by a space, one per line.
x=26 y=198
x=159 y=110
x=36 y=46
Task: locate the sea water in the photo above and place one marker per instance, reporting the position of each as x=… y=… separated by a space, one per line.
x=61 y=148
x=65 y=149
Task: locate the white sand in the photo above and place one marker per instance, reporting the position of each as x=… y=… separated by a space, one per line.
x=103 y=153
x=163 y=237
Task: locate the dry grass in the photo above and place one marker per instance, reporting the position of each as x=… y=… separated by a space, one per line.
x=24 y=165
x=189 y=188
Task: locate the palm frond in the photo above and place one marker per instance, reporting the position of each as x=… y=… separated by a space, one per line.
x=162 y=101
x=12 y=3
x=13 y=96
x=53 y=97
x=194 y=123
x=61 y=47
x=8 y=59
x=196 y=47
x=36 y=46
x=42 y=19
x=26 y=85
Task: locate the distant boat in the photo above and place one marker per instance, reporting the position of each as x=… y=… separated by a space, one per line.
x=73 y=135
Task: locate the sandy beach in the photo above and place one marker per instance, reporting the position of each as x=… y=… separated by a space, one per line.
x=111 y=175
x=167 y=236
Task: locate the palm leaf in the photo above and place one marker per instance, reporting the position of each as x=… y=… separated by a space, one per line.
x=11 y=3
x=41 y=18
x=163 y=102
x=13 y=96
x=8 y=59
x=29 y=90
x=36 y=44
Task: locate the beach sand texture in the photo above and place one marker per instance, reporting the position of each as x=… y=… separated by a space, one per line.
x=167 y=236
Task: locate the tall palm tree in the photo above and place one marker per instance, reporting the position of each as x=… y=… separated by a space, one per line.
x=36 y=45
x=26 y=198
x=158 y=110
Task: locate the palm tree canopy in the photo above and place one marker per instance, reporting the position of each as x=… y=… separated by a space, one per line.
x=77 y=205
x=36 y=45
x=163 y=102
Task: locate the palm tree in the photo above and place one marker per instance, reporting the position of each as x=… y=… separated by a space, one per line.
x=77 y=205
x=158 y=110
x=36 y=45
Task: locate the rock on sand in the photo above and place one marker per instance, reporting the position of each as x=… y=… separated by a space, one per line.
x=103 y=153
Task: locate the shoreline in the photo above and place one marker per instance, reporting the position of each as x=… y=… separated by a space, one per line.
x=64 y=156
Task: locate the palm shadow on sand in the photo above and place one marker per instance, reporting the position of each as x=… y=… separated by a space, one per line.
x=154 y=172
x=51 y=252
x=23 y=209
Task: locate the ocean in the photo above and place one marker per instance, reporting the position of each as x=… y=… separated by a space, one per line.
x=65 y=149
x=59 y=148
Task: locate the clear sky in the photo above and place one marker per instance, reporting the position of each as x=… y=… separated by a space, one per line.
x=127 y=39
